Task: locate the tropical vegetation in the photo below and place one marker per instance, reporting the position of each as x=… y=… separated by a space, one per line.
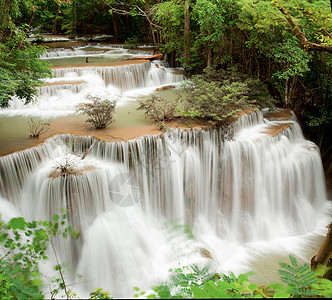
x=25 y=246
x=286 y=45
x=238 y=53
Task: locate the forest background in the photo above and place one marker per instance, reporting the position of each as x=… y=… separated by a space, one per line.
x=286 y=45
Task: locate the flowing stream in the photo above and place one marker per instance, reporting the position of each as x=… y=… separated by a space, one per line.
x=251 y=195
x=106 y=75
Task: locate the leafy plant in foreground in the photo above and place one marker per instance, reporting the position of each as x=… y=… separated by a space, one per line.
x=100 y=294
x=299 y=279
x=23 y=246
x=229 y=287
x=301 y=282
x=180 y=283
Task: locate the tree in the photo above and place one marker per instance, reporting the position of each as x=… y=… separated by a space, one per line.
x=49 y=14
x=299 y=33
x=99 y=111
x=20 y=68
x=186 y=32
x=135 y=8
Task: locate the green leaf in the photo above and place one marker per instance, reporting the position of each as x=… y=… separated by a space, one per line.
x=17 y=223
x=200 y=293
x=36 y=282
x=281 y=295
x=56 y=217
x=242 y=278
x=277 y=287
x=253 y=286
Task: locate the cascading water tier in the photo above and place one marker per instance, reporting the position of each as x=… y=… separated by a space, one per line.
x=107 y=76
x=235 y=188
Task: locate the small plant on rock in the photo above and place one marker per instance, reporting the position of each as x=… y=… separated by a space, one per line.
x=37 y=128
x=100 y=111
x=158 y=109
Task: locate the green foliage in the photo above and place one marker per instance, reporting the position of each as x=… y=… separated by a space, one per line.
x=292 y=60
x=191 y=282
x=214 y=96
x=100 y=112
x=49 y=14
x=230 y=287
x=131 y=42
x=170 y=17
x=180 y=283
x=324 y=117
x=85 y=17
x=219 y=95
x=21 y=69
x=323 y=285
x=100 y=294
x=24 y=247
x=158 y=109
x=298 y=278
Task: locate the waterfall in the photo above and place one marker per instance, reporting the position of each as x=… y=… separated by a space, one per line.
x=84 y=51
x=242 y=185
x=127 y=76
x=71 y=86
x=53 y=90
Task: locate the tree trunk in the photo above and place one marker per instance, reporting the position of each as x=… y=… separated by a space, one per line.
x=186 y=32
x=210 y=57
x=54 y=28
x=150 y=19
x=115 y=27
x=4 y=20
x=325 y=251
x=292 y=89
x=287 y=93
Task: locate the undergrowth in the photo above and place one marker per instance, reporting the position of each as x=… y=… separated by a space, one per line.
x=24 y=246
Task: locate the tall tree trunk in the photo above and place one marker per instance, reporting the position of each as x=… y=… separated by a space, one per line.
x=186 y=32
x=292 y=88
x=287 y=93
x=54 y=28
x=115 y=27
x=4 y=19
x=150 y=19
x=210 y=57
x=289 y=90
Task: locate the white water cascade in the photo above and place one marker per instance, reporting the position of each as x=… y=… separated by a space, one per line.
x=75 y=80
x=241 y=190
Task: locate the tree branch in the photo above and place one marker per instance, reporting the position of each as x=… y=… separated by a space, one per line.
x=307 y=12
x=299 y=34
x=325 y=251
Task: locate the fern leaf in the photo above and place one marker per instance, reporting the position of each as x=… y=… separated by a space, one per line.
x=289 y=280
x=287 y=267
x=293 y=260
x=303 y=268
x=286 y=273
